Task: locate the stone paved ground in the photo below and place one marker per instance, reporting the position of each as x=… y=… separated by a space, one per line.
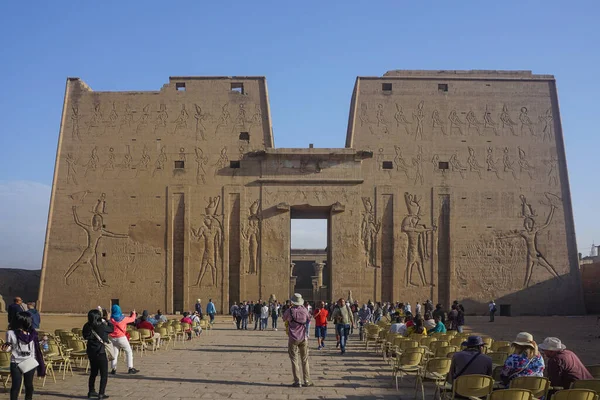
x=254 y=365
x=233 y=364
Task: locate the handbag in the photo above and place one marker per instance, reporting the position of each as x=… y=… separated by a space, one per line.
x=108 y=347
x=28 y=364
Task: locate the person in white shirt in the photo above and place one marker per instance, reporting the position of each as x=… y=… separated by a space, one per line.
x=492 y=307
x=418 y=308
x=407 y=308
x=196 y=320
x=264 y=316
x=399 y=326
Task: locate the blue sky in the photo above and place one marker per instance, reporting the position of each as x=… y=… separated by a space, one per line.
x=310 y=52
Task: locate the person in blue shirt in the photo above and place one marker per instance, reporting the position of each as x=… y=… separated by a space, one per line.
x=211 y=310
x=439 y=326
x=35 y=315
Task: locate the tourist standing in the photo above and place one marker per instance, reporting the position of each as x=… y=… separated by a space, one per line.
x=452 y=318
x=296 y=317
x=320 y=316
x=564 y=367
x=309 y=309
x=428 y=306
x=264 y=316
x=257 y=310
x=119 y=339
x=407 y=308
x=35 y=316
x=439 y=312
x=275 y=307
x=198 y=306
x=96 y=331
x=22 y=341
x=14 y=309
x=211 y=310
x=233 y=310
x=492 y=307
x=418 y=308
x=460 y=318
x=343 y=318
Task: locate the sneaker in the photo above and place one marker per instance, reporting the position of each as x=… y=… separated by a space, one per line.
x=296 y=384
x=309 y=384
x=337 y=345
x=113 y=371
x=103 y=396
x=323 y=345
x=275 y=329
x=132 y=371
x=318 y=347
x=92 y=395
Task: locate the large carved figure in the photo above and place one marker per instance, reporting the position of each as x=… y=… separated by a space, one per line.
x=418 y=240
x=251 y=234
x=210 y=235
x=369 y=230
x=94 y=232
x=530 y=235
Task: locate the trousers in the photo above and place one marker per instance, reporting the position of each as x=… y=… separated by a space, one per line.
x=121 y=343
x=17 y=376
x=343 y=330
x=300 y=348
x=98 y=364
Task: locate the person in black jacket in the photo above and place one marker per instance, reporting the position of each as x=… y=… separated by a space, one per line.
x=95 y=351
x=257 y=310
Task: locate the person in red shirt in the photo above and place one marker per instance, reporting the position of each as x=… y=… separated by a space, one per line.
x=144 y=324
x=187 y=320
x=320 y=316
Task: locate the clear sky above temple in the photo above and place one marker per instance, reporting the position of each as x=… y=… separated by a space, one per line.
x=310 y=52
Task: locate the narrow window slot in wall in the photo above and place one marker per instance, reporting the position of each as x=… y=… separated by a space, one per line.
x=490 y=227
x=103 y=254
x=157 y=224
x=133 y=140
x=245 y=136
x=464 y=141
x=442 y=87
x=489 y=141
x=443 y=165
x=179 y=164
x=386 y=87
x=132 y=225
x=464 y=198
x=237 y=88
x=158 y=140
x=234 y=164
x=464 y=227
x=133 y=197
x=387 y=165
x=158 y=197
x=180 y=86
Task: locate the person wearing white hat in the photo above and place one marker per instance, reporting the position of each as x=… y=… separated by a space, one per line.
x=564 y=367
x=525 y=359
x=297 y=316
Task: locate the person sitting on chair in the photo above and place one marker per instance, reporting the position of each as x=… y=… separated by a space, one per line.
x=564 y=367
x=525 y=359
x=471 y=360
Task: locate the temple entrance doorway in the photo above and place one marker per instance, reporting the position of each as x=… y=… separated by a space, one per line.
x=310 y=252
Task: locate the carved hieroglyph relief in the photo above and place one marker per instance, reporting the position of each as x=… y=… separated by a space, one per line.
x=419 y=240
x=200 y=119
x=491 y=162
x=201 y=161
x=437 y=123
x=473 y=122
x=473 y=164
x=506 y=120
x=530 y=235
x=181 y=121
x=71 y=168
x=223 y=120
x=127 y=119
x=222 y=162
x=369 y=230
x=400 y=162
x=508 y=163
x=94 y=232
x=552 y=174
x=75 y=123
x=419 y=118
x=144 y=119
x=161 y=160
x=210 y=237
x=488 y=121
x=526 y=123
x=161 y=119
x=400 y=118
x=251 y=234
x=524 y=164
x=417 y=163
x=455 y=123
x=93 y=162
x=97 y=118
x=547 y=121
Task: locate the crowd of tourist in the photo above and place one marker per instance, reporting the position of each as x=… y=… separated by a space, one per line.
x=108 y=333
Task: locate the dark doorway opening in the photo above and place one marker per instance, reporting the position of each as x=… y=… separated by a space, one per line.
x=309 y=252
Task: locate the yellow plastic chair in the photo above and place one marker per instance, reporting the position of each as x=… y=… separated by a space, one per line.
x=436 y=371
x=472 y=386
x=5 y=367
x=590 y=384
x=77 y=352
x=372 y=334
x=594 y=370
x=575 y=394
x=444 y=350
x=146 y=337
x=511 y=394
x=136 y=342
x=538 y=385
x=426 y=341
x=497 y=357
x=407 y=364
x=504 y=349
x=499 y=343
x=437 y=344
x=456 y=341
x=165 y=338
x=56 y=355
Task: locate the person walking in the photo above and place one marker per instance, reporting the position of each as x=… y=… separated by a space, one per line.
x=320 y=316
x=96 y=331
x=492 y=307
x=23 y=344
x=296 y=316
x=257 y=310
x=119 y=339
x=234 y=311
x=211 y=310
x=343 y=318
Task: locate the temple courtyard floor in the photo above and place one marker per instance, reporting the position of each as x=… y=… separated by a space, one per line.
x=229 y=364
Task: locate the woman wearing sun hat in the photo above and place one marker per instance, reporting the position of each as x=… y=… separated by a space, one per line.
x=564 y=367
x=525 y=359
